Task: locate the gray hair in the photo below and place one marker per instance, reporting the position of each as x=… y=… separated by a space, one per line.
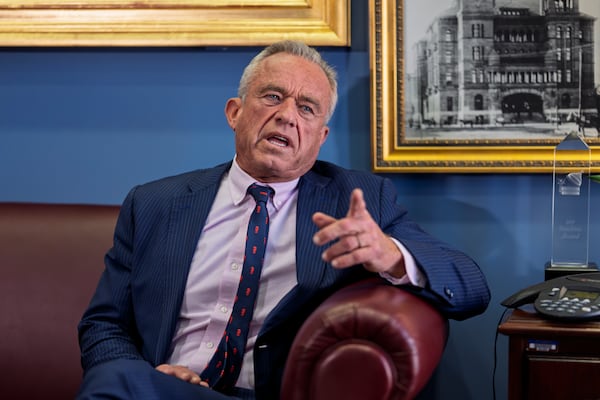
x=297 y=49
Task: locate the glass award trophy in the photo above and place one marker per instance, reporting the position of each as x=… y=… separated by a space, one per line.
x=570 y=208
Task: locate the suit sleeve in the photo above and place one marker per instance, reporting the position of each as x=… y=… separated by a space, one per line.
x=107 y=330
x=455 y=283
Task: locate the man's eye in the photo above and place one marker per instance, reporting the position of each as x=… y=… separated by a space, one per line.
x=307 y=109
x=272 y=97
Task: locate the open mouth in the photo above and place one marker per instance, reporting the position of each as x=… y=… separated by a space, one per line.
x=279 y=141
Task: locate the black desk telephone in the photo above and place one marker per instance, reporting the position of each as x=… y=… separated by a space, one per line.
x=571 y=297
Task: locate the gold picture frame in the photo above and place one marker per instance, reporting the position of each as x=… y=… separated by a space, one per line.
x=173 y=22
x=394 y=151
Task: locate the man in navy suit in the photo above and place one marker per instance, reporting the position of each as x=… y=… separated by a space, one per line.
x=170 y=281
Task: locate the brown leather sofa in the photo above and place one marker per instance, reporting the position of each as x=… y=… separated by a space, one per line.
x=368 y=341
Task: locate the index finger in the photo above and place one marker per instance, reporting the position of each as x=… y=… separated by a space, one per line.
x=357 y=206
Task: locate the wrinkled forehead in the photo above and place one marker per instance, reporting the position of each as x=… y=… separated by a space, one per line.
x=297 y=75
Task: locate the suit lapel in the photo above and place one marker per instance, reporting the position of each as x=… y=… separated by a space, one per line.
x=314 y=194
x=187 y=218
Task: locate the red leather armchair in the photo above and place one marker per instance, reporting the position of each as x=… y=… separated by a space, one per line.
x=368 y=341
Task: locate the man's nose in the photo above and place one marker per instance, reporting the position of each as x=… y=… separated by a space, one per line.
x=287 y=112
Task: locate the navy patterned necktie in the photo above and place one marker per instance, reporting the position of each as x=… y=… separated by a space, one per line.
x=223 y=370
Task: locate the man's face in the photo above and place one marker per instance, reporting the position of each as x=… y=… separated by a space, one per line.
x=280 y=126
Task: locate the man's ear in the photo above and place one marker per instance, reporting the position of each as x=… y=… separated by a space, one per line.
x=232 y=110
x=325 y=133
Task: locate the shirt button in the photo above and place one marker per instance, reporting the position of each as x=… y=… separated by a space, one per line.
x=210 y=345
x=234 y=266
x=223 y=309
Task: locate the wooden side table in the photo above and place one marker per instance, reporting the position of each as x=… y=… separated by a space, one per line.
x=551 y=360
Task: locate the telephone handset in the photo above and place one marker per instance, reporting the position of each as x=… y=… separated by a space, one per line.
x=567 y=297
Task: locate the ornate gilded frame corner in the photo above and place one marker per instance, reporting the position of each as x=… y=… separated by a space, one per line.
x=173 y=22
x=393 y=152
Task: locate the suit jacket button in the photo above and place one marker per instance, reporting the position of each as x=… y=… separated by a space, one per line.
x=448 y=293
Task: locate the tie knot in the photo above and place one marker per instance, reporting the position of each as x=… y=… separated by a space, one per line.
x=260 y=193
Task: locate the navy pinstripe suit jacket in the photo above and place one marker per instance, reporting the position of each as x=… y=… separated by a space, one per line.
x=134 y=311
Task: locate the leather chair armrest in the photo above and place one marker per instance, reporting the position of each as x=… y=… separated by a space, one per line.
x=369 y=340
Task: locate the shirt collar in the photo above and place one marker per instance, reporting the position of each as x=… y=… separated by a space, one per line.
x=239 y=181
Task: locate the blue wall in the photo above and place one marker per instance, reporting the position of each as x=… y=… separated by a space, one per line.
x=83 y=125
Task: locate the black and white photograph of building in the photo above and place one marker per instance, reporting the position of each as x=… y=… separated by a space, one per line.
x=501 y=69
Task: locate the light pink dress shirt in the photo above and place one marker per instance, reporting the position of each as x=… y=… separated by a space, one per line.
x=217 y=265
